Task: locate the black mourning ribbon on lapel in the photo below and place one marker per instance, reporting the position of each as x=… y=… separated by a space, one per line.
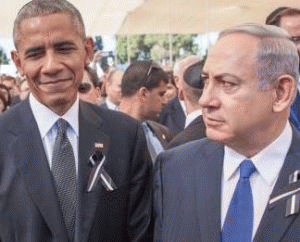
x=284 y=194
x=64 y=173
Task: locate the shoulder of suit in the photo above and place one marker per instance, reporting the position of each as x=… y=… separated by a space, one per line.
x=11 y=118
x=188 y=151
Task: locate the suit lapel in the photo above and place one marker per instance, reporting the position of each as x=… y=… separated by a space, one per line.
x=34 y=168
x=209 y=195
x=274 y=223
x=90 y=132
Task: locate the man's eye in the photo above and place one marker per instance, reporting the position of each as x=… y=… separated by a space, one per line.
x=34 y=55
x=227 y=85
x=65 y=49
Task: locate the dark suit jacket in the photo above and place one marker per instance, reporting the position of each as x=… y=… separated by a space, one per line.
x=29 y=208
x=195 y=130
x=295 y=112
x=162 y=132
x=173 y=116
x=188 y=193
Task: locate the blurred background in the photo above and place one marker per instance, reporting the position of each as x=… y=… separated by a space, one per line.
x=162 y=30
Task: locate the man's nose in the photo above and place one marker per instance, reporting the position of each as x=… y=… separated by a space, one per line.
x=51 y=64
x=209 y=97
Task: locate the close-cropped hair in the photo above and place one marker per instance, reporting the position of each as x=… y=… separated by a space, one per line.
x=38 y=8
x=274 y=17
x=276 y=54
x=142 y=74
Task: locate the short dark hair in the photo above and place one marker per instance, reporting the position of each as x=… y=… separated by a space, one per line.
x=37 y=8
x=4 y=89
x=3 y=99
x=274 y=17
x=142 y=74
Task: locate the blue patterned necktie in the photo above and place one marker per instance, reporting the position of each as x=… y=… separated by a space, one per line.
x=239 y=219
x=64 y=173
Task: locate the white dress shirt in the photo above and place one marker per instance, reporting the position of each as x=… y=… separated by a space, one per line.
x=111 y=105
x=192 y=116
x=153 y=140
x=268 y=164
x=46 y=120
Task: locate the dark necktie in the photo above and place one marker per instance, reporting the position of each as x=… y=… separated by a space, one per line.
x=64 y=172
x=239 y=219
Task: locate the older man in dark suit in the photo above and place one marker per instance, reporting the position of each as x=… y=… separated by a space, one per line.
x=69 y=170
x=192 y=90
x=240 y=184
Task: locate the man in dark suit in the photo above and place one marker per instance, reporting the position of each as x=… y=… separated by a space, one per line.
x=174 y=113
x=70 y=171
x=240 y=184
x=289 y=19
x=143 y=88
x=191 y=90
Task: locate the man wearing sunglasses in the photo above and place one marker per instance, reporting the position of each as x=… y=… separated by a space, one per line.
x=89 y=88
x=143 y=88
x=289 y=19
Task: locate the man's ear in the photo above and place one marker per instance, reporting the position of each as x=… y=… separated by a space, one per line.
x=143 y=93
x=16 y=59
x=89 y=48
x=285 y=91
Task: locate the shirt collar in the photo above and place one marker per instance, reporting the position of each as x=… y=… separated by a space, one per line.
x=268 y=162
x=192 y=116
x=111 y=105
x=46 y=118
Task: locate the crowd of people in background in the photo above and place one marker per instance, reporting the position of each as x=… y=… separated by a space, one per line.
x=115 y=127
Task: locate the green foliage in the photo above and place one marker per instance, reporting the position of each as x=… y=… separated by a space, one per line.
x=3 y=57
x=154 y=46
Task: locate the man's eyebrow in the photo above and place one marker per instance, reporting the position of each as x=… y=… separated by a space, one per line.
x=33 y=50
x=66 y=42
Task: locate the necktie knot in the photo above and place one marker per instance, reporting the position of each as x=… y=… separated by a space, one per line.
x=62 y=126
x=246 y=169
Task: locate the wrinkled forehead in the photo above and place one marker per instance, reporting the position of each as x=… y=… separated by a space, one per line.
x=233 y=48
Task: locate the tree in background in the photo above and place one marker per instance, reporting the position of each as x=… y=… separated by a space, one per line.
x=3 y=57
x=154 y=46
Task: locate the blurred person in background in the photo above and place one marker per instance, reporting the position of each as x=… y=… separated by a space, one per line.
x=3 y=102
x=112 y=89
x=171 y=92
x=192 y=88
x=174 y=114
x=13 y=87
x=143 y=87
x=24 y=89
x=6 y=93
x=89 y=88
x=289 y=19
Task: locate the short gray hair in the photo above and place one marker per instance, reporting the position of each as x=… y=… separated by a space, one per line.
x=276 y=53
x=37 y=8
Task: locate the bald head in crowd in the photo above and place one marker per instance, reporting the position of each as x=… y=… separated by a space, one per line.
x=179 y=70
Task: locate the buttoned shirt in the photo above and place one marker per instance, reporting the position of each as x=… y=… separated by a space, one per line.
x=46 y=120
x=268 y=164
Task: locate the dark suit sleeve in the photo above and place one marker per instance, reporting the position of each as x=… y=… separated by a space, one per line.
x=157 y=200
x=140 y=199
